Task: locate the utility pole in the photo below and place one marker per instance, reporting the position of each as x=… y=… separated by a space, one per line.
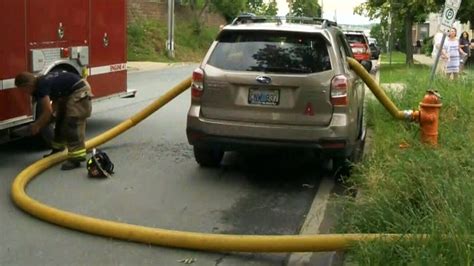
x=170 y=41
x=322 y=8
x=390 y=38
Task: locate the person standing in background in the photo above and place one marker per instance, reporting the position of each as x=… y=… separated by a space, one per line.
x=452 y=52
x=465 y=45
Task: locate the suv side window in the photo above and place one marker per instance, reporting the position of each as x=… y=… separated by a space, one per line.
x=345 y=45
x=344 y=49
x=271 y=51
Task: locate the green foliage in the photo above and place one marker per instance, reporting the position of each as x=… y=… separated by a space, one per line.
x=427 y=47
x=197 y=8
x=465 y=12
x=272 y=9
x=418 y=189
x=147 y=39
x=229 y=8
x=259 y=7
x=380 y=35
x=403 y=14
x=195 y=4
x=305 y=8
x=232 y=8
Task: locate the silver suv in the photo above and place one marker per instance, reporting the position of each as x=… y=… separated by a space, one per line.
x=276 y=82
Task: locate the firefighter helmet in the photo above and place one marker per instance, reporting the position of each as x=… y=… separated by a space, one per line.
x=99 y=165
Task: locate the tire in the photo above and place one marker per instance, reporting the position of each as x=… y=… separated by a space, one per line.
x=208 y=157
x=371 y=66
x=358 y=152
x=342 y=166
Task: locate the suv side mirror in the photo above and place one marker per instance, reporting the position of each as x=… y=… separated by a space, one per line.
x=367 y=65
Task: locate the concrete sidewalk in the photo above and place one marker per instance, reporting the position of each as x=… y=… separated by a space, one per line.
x=423 y=59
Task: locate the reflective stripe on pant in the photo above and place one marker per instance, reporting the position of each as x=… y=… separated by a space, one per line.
x=71 y=130
x=78 y=155
x=58 y=145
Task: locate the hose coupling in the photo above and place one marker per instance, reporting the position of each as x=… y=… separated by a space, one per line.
x=411 y=115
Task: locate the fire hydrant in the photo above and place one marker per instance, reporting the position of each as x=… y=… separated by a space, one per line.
x=428 y=117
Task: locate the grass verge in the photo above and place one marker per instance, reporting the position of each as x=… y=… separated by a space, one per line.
x=417 y=189
x=147 y=41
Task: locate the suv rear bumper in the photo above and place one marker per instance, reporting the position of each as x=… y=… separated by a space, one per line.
x=233 y=135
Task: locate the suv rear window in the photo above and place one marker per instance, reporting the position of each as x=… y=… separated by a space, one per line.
x=352 y=38
x=275 y=51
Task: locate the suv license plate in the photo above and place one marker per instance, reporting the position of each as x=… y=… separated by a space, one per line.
x=264 y=96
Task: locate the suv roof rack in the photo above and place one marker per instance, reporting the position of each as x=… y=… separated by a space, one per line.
x=355 y=31
x=245 y=18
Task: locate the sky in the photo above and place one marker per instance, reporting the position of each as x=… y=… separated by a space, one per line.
x=342 y=9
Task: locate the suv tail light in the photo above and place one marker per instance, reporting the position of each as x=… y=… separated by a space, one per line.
x=197 y=85
x=339 y=87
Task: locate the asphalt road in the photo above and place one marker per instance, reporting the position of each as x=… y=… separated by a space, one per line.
x=157 y=183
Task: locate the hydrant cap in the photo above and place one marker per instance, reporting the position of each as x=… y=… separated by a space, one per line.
x=431 y=97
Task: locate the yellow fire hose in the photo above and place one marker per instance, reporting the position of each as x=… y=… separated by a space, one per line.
x=379 y=92
x=170 y=238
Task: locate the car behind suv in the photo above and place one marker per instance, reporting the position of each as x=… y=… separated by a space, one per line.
x=374 y=49
x=359 y=45
x=271 y=82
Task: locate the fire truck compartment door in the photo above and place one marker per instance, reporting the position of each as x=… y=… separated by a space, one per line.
x=53 y=21
x=108 y=33
x=108 y=75
x=15 y=105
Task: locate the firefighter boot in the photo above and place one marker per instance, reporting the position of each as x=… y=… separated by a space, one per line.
x=70 y=164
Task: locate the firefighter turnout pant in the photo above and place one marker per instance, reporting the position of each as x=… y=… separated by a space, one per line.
x=71 y=115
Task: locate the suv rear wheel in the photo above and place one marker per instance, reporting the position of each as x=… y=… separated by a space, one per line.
x=208 y=156
x=342 y=166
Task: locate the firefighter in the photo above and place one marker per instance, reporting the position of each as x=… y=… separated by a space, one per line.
x=68 y=97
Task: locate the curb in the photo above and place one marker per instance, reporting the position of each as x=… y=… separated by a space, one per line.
x=313 y=225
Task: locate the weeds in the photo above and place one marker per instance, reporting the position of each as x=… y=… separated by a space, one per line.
x=147 y=41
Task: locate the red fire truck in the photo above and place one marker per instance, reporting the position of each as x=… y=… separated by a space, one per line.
x=87 y=37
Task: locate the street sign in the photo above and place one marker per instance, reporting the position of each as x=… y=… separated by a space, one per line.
x=449 y=14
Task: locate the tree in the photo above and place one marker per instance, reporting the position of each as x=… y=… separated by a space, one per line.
x=379 y=33
x=197 y=7
x=410 y=11
x=229 y=8
x=465 y=12
x=308 y=8
x=259 y=7
x=272 y=8
x=232 y=8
